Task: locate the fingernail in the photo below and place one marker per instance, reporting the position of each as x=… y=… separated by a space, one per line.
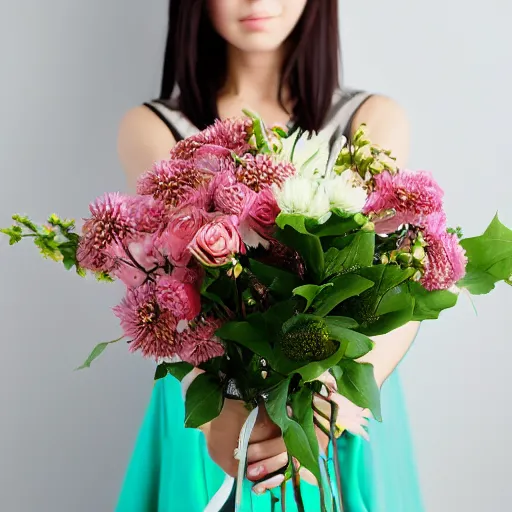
x=269 y=484
x=255 y=471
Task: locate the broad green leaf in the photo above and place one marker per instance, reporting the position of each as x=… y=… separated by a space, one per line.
x=248 y=334
x=161 y=371
x=359 y=253
x=491 y=254
x=295 y=221
x=344 y=287
x=302 y=318
x=178 y=370
x=357 y=383
x=357 y=344
x=96 y=352
x=302 y=407
x=477 y=282
x=296 y=439
x=276 y=316
x=337 y=226
x=340 y=321
x=312 y=371
x=428 y=305
x=309 y=292
x=279 y=282
x=308 y=246
x=203 y=401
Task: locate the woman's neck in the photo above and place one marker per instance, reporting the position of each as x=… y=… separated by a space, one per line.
x=253 y=79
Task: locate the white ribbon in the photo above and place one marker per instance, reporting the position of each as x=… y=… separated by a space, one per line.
x=222 y=495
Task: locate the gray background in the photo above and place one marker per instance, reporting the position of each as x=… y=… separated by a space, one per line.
x=69 y=70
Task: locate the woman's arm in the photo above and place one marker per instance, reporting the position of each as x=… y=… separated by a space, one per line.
x=388 y=127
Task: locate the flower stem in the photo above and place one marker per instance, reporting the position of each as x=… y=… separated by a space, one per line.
x=296 y=489
x=336 y=459
x=283 y=497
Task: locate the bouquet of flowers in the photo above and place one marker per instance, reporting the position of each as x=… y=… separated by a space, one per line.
x=267 y=261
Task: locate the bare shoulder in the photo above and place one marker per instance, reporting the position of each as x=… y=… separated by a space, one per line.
x=387 y=123
x=142 y=140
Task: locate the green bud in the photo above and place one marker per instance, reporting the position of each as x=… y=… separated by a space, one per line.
x=368 y=227
x=384 y=259
x=417 y=275
x=360 y=219
x=308 y=341
x=418 y=253
x=404 y=258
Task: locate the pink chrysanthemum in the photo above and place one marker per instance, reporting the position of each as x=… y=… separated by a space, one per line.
x=152 y=330
x=191 y=275
x=232 y=134
x=445 y=261
x=214 y=159
x=181 y=299
x=412 y=195
x=109 y=223
x=172 y=181
x=261 y=171
x=149 y=214
x=200 y=344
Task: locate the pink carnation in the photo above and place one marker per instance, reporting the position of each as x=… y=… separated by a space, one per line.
x=181 y=299
x=109 y=223
x=445 y=261
x=190 y=275
x=412 y=195
x=148 y=214
x=200 y=344
x=183 y=225
x=172 y=181
x=136 y=260
x=151 y=329
x=262 y=171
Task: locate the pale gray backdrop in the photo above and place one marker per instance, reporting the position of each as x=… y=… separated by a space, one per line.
x=69 y=70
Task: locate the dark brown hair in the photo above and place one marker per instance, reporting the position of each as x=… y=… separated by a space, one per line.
x=196 y=62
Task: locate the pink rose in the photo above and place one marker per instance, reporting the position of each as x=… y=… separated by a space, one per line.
x=181 y=299
x=183 y=225
x=263 y=213
x=217 y=242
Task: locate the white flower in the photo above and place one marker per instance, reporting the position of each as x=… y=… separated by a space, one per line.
x=346 y=192
x=310 y=156
x=303 y=196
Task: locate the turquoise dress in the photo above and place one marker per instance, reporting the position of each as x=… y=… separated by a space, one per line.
x=171 y=471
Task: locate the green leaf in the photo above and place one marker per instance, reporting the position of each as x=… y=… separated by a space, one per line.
x=428 y=305
x=477 y=282
x=489 y=255
x=294 y=220
x=308 y=246
x=302 y=407
x=309 y=292
x=344 y=287
x=357 y=344
x=178 y=370
x=260 y=132
x=312 y=371
x=14 y=233
x=278 y=281
x=68 y=251
x=296 y=439
x=357 y=383
x=203 y=401
x=359 y=253
x=161 y=371
x=252 y=335
x=96 y=352
x=345 y=322
x=337 y=226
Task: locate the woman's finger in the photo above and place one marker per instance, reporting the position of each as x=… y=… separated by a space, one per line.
x=265 y=467
x=265 y=449
x=271 y=483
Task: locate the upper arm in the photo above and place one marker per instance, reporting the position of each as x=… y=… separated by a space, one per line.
x=388 y=126
x=142 y=140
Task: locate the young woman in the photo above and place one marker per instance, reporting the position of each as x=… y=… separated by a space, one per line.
x=279 y=58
